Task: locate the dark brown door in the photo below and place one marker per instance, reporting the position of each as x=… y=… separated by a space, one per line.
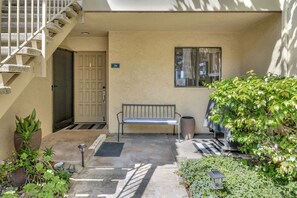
x=62 y=89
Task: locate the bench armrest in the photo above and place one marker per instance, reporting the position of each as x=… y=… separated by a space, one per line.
x=176 y=113
x=118 y=116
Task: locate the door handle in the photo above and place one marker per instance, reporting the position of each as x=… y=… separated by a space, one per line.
x=53 y=87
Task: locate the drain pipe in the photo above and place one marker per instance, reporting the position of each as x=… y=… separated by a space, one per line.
x=82 y=147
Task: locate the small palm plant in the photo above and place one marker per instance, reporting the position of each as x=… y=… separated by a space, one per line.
x=28 y=132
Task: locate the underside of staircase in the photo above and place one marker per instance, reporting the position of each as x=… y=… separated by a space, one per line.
x=24 y=49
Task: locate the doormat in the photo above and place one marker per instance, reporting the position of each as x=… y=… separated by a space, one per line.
x=86 y=126
x=208 y=146
x=110 y=149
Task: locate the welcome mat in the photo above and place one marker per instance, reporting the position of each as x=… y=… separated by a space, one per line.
x=208 y=146
x=86 y=126
x=110 y=149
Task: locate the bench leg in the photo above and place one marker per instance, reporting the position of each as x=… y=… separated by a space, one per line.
x=178 y=132
x=173 y=129
x=119 y=132
x=122 y=129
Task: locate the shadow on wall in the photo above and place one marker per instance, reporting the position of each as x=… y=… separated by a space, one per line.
x=284 y=57
x=222 y=5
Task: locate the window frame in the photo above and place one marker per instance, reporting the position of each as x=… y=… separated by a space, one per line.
x=174 y=70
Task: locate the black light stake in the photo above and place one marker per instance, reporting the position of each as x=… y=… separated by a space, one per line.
x=82 y=148
x=217 y=178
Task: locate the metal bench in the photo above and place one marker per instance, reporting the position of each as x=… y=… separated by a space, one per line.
x=148 y=114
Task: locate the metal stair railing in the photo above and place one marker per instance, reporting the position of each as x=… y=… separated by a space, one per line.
x=46 y=11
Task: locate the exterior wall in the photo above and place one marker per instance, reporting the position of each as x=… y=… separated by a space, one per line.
x=292 y=37
x=183 y=5
x=260 y=46
x=36 y=95
x=146 y=73
x=85 y=43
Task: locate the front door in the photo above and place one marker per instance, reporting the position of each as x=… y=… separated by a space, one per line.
x=89 y=87
x=62 y=89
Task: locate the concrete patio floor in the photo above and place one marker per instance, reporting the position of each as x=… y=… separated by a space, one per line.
x=146 y=167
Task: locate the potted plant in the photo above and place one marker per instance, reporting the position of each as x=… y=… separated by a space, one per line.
x=28 y=132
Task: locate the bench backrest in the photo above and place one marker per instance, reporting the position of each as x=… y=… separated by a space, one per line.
x=148 y=111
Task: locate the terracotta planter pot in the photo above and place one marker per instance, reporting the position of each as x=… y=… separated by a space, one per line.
x=18 y=177
x=34 y=143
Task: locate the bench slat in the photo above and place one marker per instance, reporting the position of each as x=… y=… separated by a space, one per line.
x=148 y=114
x=150 y=121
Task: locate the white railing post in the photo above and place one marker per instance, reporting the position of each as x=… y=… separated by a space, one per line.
x=49 y=10
x=44 y=34
x=9 y=27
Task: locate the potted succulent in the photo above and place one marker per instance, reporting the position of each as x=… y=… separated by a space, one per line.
x=28 y=132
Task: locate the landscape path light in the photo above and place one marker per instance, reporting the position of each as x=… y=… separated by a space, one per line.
x=82 y=148
x=217 y=179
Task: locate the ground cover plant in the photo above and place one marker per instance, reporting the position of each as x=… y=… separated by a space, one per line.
x=40 y=179
x=29 y=172
x=241 y=179
x=261 y=113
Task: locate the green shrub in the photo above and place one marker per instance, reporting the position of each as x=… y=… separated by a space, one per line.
x=41 y=179
x=241 y=179
x=261 y=112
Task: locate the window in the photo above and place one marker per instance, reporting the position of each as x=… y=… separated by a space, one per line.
x=195 y=66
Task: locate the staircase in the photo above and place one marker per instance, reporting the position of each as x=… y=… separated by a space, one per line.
x=31 y=30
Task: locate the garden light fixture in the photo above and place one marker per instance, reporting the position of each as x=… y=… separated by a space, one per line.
x=82 y=148
x=217 y=178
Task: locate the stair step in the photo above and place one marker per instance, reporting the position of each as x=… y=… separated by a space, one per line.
x=22 y=9
x=38 y=37
x=22 y=16
x=70 y=12
x=4 y=25
x=63 y=19
x=76 y=6
x=28 y=51
x=50 y=26
x=14 y=68
x=5 y=89
x=54 y=28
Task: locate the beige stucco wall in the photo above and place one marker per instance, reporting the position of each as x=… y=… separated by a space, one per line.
x=146 y=74
x=261 y=46
x=182 y=5
x=292 y=37
x=36 y=95
x=85 y=43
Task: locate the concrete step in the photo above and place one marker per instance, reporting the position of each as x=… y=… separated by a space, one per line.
x=63 y=19
x=4 y=26
x=27 y=51
x=70 y=12
x=5 y=89
x=54 y=28
x=14 y=68
x=38 y=37
x=22 y=16
x=76 y=7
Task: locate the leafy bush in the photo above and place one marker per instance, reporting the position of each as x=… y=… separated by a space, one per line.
x=241 y=180
x=261 y=113
x=41 y=179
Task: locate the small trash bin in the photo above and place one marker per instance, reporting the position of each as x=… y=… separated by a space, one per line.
x=187 y=127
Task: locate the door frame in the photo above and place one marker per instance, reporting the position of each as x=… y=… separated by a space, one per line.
x=105 y=82
x=52 y=88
